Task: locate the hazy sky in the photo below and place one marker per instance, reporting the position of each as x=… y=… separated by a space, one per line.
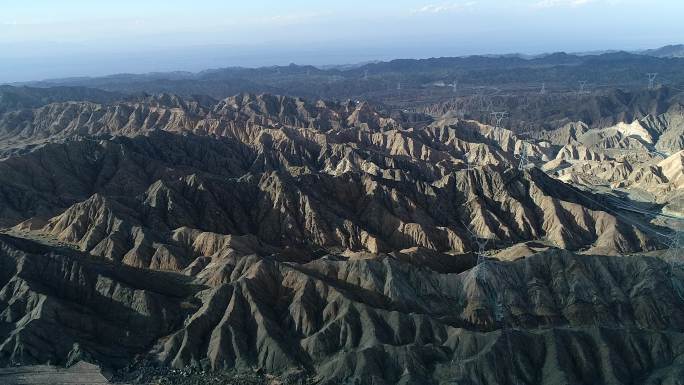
x=48 y=38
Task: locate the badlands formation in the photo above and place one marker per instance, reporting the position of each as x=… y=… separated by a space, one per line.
x=332 y=243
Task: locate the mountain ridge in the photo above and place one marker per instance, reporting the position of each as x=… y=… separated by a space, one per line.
x=338 y=242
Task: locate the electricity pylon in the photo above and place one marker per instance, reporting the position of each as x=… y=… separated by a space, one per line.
x=582 y=86
x=454 y=86
x=466 y=157
x=674 y=252
x=498 y=117
x=651 y=80
x=481 y=252
x=523 y=158
x=480 y=96
x=500 y=317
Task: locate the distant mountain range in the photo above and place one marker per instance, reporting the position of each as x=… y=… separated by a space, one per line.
x=411 y=81
x=676 y=50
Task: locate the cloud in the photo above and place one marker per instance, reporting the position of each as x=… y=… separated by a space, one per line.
x=567 y=3
x=443 y=7
x=294 y=18
x=559 y=3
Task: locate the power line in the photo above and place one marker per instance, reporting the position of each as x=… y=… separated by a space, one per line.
x=674 y=256
x=614 y=212
x=639 y=210
x=669 y=84
x=499 y=316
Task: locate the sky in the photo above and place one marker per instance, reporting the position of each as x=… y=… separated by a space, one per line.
x=41 y=39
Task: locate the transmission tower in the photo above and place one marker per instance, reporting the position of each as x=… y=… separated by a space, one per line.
x=489 y=104
x=674 y=256
x=543 y=89
x=454 y=86
x=674 y=252
x=651 y=80
x=365 y=75
x=500 y=316
x=523 y=158
x=480 y=96
x=582 y=87
x=399 y=86
x=481 y=251
x=466 y=157
x=675 y=243
x=498 y=117
x=499 y=310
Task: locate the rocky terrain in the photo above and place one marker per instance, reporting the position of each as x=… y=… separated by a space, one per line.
x=535 y=112
x=642 y=159
x=273 y=239
x=341 y=319
x=288 y=172
x=81 y=373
